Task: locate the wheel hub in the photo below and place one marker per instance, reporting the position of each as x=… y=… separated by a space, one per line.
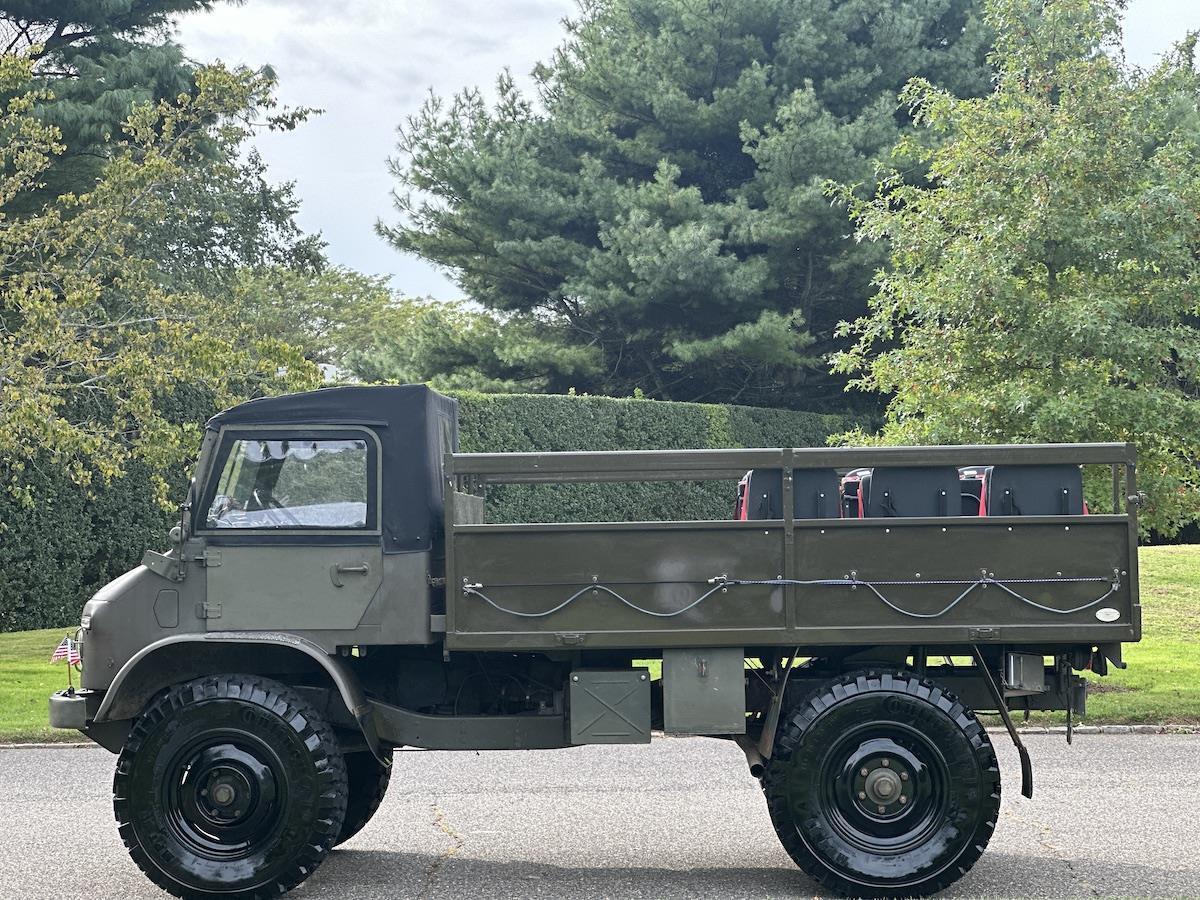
x=225 y=798
x=225 y=793
x=881 y=786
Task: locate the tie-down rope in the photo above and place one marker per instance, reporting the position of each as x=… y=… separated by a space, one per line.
x=723 y=583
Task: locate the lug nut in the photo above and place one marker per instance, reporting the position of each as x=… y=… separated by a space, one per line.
x=903 y=799
x=882 y=810
x=863 y=772
x=904 y=776
x=862 y=795
x=886 y=763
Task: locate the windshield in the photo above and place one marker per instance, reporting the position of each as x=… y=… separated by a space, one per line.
x=298 y=482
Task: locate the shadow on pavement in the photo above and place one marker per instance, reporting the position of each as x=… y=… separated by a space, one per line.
x=348 y=874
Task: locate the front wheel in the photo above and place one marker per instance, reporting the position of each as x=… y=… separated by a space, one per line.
x=368 y=780
x=229 y=786
x=883 y=785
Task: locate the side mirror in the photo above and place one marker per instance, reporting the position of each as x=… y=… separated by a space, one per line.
x=175 y=536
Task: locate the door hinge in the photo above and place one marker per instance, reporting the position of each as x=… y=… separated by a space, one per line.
x=983 y=633
x=435 y=581
x=208 y=610
x=210 y=559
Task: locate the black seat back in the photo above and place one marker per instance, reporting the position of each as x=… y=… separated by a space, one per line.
x=912 y=491
x=970 y=493
x=814 y=494
x=1034 y=490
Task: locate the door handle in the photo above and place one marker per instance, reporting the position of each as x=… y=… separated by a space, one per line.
x=337 y=570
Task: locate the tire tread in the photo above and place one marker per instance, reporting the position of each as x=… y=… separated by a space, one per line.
x=368 y=785
x=796 y=724
x=294 y=710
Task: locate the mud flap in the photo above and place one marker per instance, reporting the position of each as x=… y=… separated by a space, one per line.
x=1002 y=708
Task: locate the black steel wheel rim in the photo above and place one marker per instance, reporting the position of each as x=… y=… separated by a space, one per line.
x=224 y=795
x=882 y=788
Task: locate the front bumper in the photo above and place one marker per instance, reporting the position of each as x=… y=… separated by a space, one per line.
x=73 y=709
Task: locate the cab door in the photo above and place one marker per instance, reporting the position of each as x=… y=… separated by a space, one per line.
x=291 y=521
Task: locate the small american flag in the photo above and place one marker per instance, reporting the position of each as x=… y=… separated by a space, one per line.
x=67 y=649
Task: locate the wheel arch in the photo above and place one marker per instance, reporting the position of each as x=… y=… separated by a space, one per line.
x=182 y=657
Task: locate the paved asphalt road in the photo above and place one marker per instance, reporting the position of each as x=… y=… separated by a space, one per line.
x=1113 y=816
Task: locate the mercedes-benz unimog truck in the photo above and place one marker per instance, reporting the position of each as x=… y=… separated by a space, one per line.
x=335 y=591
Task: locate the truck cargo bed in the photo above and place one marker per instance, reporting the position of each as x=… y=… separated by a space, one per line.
x=788 y=582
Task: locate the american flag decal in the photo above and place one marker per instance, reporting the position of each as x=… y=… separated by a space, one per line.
x=67 y=649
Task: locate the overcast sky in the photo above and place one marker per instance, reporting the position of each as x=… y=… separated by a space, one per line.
x=370 y=63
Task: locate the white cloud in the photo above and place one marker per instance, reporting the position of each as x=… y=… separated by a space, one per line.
x=368 y=64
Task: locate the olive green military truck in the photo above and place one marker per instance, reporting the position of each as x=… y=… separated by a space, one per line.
x=335 y=591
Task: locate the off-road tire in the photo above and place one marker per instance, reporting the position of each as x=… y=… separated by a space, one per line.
x=368 y=782
x=229 y=786
x=940 y=785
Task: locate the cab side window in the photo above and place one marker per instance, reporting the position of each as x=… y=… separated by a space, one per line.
x=278 y=482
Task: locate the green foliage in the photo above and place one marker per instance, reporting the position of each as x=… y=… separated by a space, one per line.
x=99 y=61
x=1042 y=284
x=661 y=210
x=329 y=314
x=62 y=545
x=93 y=342
x=454 y=347
x=232 y=236
x=523 y=423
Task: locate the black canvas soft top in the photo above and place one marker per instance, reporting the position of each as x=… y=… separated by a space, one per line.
x=416 y=426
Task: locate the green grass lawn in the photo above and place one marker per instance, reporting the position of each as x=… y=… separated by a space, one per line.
x=1161 y=685
x=1162 y=682
x=26 y=682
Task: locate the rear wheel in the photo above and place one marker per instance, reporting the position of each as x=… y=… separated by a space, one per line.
x=368 y=783
x=883 y=785
x=229 y=786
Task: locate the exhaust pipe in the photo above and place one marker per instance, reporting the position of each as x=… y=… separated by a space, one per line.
x=753 y=758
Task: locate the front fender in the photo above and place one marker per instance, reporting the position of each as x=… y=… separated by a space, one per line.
x=161 y=664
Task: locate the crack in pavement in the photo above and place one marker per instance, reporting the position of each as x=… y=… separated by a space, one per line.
x=457 y=842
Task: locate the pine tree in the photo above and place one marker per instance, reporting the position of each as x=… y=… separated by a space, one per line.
x=99 y=58
x=663 y=203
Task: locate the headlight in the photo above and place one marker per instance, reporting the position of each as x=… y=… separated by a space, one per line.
x=85 y=621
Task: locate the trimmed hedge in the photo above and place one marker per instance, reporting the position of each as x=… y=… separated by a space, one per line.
x=62 y=549
x=59 y=551
x=521 y=422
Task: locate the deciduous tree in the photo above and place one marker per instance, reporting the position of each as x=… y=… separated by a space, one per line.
x=1043 y=283
x=91 y=340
